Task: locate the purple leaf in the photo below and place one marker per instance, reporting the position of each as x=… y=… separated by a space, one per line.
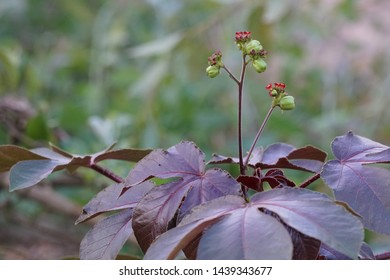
x=247 y=234
x=305 y=247
x=214 y=183
x=182 y=160
x=365 y=188
x=167 y=245
x=194 y=186
x=366 y=252
x=252 y=182
x=274 y=177
x=328 y=253
x=51 y=154
x=132 y=155
x=281 y=155
x=316 y=216
x=248 y=230
x=106 y=238
x=10 y=155
x=29 y=167
x=155 y=211
x=110 y=199
x=331 y=254
x=27 y=173
x=271 y=154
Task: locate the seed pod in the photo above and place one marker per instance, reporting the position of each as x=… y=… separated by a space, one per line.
x=259 y=65
x=287 y=103
x=253 y=45
x=212 y=71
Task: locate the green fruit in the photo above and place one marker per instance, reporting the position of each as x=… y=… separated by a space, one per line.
x=259 y=65
x=273 y=93
x=287 y=103
x=253 y=45
x=212 y=71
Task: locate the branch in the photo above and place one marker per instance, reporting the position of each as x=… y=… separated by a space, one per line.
x=231 y=75
x=240 y=92
x=258 y=135
x=309 y=181
x=106 y=172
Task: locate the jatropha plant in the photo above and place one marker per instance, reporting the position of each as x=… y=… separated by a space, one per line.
x=196 y=210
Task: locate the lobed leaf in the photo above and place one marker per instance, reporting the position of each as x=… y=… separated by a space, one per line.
x=10 y=155
x=169 y=244
x=316 y=216
x=107 y=237
x=281 y=155
x=247 y=234
x=132 y=155
x=305 y=247
x=29 y=167
x=328 y=253
x=27 y=173
x=110 y=199
x=250 y=231
x=365 y=188
x=194 y=186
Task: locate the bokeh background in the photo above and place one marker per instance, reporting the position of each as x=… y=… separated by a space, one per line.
x=85 y=74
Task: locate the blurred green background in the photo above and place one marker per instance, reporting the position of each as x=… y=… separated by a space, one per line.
x=85 y=74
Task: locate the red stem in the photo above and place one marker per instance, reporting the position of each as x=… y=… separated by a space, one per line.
x=106 y=172
x=240 y=92
x=310 y=180
x=258 y=135
x=231 y=75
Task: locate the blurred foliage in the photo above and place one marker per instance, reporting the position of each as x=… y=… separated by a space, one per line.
x=94 y=72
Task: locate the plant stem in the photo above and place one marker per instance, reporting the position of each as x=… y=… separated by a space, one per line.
x=258 y=136
x=240 y=91
x=231 y=75
x=312 y=179
x=106 y=172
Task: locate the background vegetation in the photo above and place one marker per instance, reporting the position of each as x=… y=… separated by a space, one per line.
x=85 y=74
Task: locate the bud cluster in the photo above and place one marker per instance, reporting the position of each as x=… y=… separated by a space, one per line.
x=215 y=64
x=253 y=49
x=215 y=59
x=242 y=37
x=281 y=97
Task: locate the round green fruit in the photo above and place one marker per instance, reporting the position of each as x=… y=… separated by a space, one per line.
x=212 y=71
x=259 y=65
x=287 y=103
x=253 y=45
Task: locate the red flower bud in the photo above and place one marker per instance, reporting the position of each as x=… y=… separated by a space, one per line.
x=243 y=36
x=276 y=89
